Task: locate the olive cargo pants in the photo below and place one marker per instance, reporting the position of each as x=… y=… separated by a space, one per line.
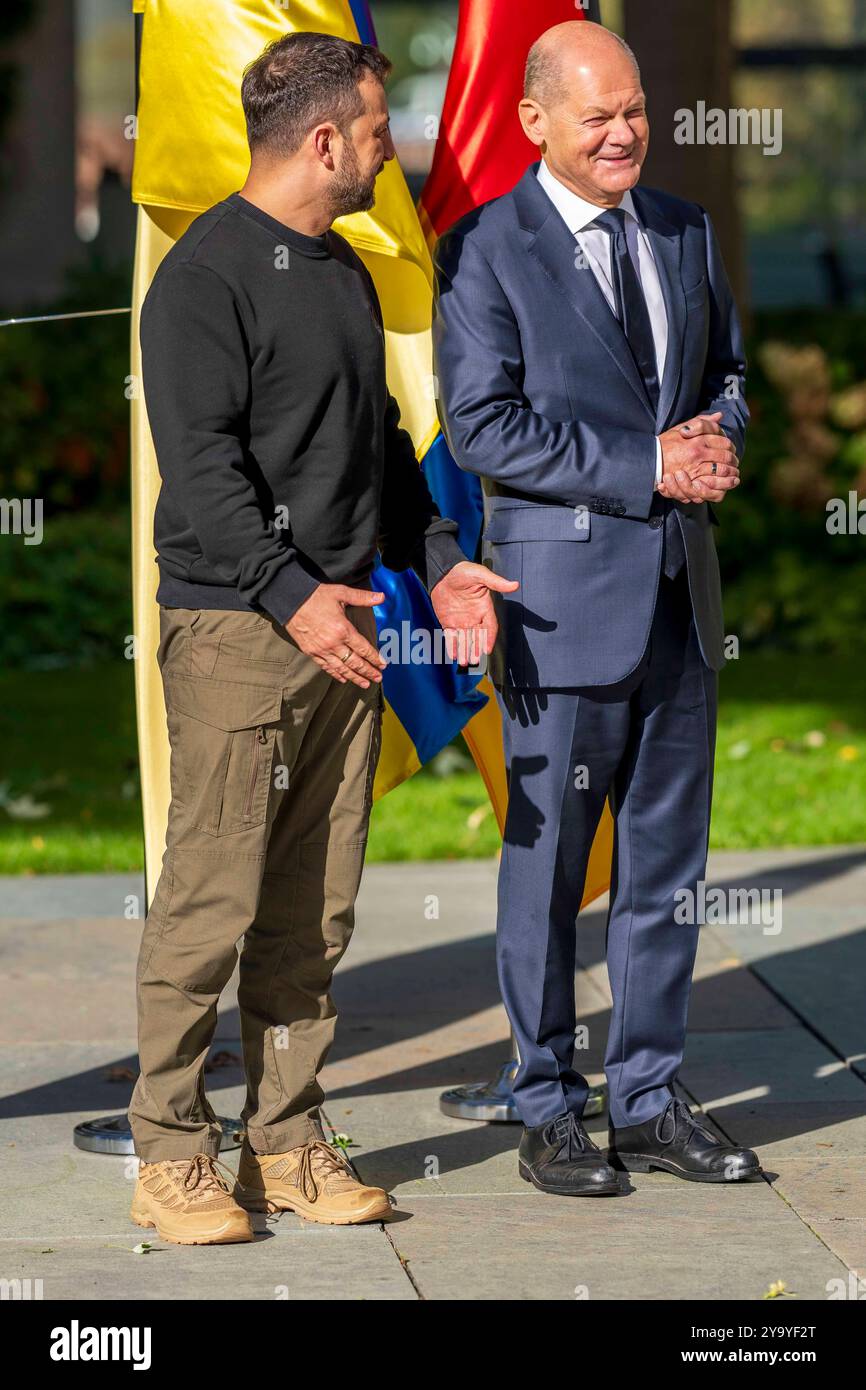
x=272 y=765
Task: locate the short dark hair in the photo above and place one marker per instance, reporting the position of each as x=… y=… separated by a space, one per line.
x=302 y=79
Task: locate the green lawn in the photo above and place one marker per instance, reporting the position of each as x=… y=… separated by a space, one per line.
x=790 y=770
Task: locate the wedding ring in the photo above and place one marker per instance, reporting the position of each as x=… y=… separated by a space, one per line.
x=346 y=654
x=715 y=467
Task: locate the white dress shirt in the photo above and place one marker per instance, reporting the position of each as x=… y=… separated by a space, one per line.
x=595 y=243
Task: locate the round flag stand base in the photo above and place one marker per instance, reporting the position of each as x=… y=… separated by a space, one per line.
x=112 y=1135
x=493 y=1101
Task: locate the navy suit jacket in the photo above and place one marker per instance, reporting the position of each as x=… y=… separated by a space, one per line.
x=539 y=395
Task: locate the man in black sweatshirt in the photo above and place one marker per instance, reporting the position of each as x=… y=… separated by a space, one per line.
x=284 y=470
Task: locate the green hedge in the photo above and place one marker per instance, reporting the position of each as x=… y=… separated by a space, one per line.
x=68 y=601
x=788 y=583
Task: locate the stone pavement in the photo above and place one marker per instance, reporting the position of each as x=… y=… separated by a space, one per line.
x=776 y=1058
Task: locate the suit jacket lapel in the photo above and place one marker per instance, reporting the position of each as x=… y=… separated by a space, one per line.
x=667 y=249
x=551 y=243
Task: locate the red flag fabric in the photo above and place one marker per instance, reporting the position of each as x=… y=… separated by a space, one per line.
x=481 y=151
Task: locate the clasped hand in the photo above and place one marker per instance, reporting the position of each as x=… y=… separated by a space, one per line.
x=699 y=462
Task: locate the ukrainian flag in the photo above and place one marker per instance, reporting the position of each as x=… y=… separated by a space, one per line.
x=191 y=151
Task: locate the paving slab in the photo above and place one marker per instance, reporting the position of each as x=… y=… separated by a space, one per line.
x=815 y=961
x=54 y=897
x=830 y=1187
x=691 y=1242
x=783 y=1064
x=796 y=1129
x=67 y=981
x=324 y=1263
x=846 y=1239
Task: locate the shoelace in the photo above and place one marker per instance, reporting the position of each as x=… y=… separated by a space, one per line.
x=568 y=1130
x=327 y=1154
x=679 y=1111
x=202 y=1171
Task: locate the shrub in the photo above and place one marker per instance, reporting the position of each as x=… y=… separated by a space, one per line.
x=68 y=601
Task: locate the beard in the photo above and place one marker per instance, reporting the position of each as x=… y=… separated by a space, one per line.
x=351 y=191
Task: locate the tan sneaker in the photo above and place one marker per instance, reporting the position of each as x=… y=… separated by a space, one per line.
x=314 y=1180
x=189 y=1203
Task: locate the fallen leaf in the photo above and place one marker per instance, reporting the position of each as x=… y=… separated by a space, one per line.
x=120 y=1074
x=779 y=1289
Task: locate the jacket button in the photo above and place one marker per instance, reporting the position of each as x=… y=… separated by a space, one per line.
x=656 y=522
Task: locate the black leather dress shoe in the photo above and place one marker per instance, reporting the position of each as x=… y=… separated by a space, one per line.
x=560 y=1157
x=676 y=1142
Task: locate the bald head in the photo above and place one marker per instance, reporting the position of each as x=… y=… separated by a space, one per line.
x=557 y=57
x=585 y=110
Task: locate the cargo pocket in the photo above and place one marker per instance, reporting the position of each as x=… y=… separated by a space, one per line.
x=225 y=734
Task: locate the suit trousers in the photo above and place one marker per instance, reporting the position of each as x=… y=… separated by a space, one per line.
x=272 y=765
x=647 y=743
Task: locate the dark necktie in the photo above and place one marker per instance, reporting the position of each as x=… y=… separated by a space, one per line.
x=633 y=315
x=631 y=309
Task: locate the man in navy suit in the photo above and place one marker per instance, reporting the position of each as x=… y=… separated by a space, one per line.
x=591 y=371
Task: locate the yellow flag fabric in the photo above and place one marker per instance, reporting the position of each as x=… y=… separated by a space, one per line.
x=153 y=239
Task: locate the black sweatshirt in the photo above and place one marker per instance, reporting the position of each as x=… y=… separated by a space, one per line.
x=282 y=459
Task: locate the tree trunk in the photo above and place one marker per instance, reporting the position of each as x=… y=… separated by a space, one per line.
x=686 y=55
x=37 y=209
